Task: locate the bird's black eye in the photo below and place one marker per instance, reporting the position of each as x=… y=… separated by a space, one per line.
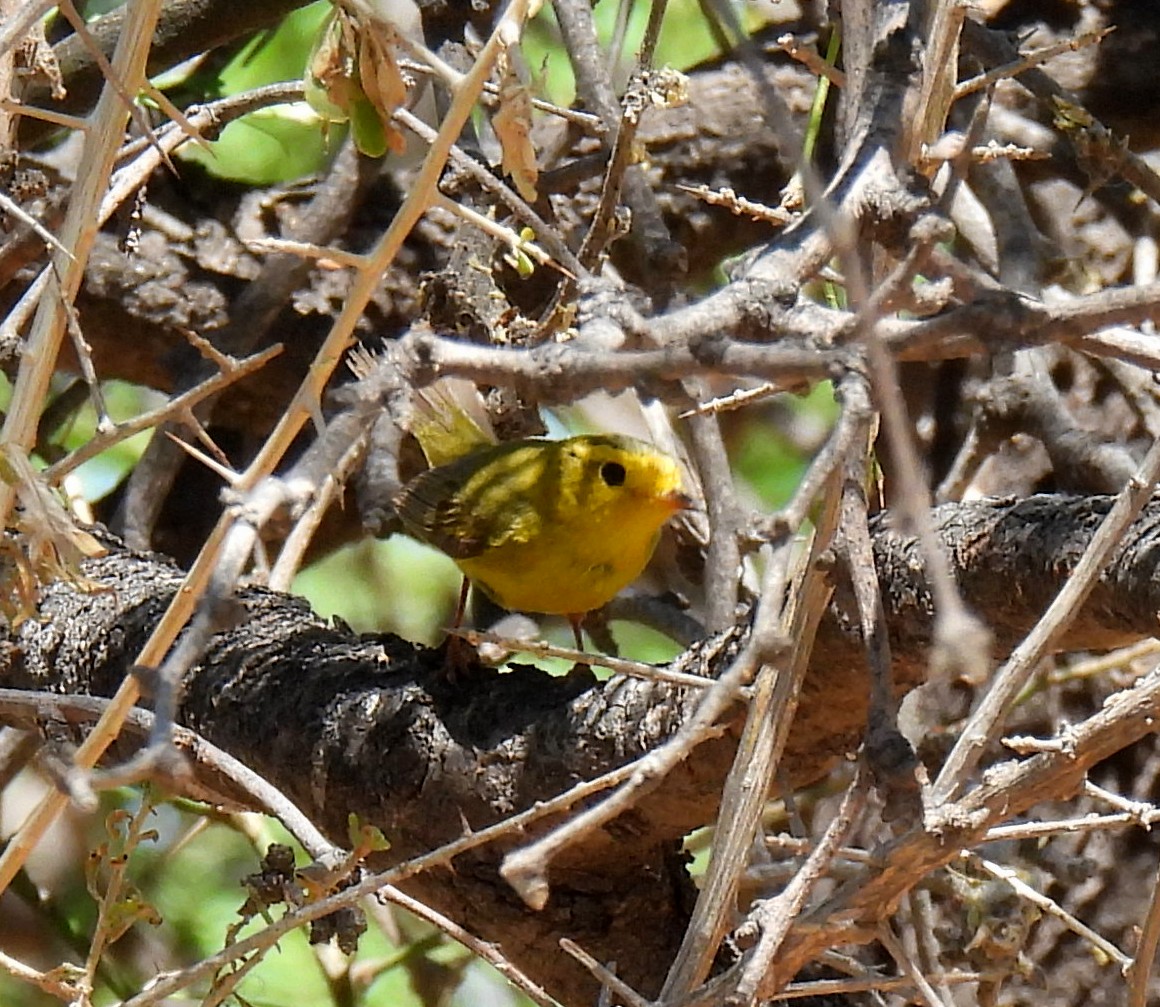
x=612 y=473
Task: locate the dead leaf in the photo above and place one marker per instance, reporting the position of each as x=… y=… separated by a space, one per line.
x=513 y=126
x=382 y=80
x=330 y=81
x=49 y=545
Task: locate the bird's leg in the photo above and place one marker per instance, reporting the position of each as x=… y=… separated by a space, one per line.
x=577 y=621
x=456 y=657
x=600 y=633
x=461 y=607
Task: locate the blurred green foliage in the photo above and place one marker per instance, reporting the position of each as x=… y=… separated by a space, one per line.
x=285 y=142
x=98 y=477
x=276 y=144
x=771 y=456
x=684 y=41
x=397 y=586
x=192 y=875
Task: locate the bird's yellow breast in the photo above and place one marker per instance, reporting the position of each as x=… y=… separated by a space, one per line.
x=557 y=527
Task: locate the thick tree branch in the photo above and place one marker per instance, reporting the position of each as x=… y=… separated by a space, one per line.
x=370 y=724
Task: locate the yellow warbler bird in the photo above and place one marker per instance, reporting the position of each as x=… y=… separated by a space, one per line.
x=555 y=527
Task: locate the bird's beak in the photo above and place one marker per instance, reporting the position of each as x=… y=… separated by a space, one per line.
x=679 y=501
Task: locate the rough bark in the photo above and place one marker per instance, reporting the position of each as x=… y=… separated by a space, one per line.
x=371 y=725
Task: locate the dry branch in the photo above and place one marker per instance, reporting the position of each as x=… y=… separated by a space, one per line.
x=429 y=754
x=370 y=725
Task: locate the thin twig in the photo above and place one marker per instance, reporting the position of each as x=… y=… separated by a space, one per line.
x=124 y=836
x=485 y=950
x=541 y=648
x=1140 y=969
x=784 y=627
x=1141 y=811
x=102 y=440
x=723 y=556
x=775 y=915
x=545 y=233
x=591 y=123
x=84 y=355
x=501 y=232
x=8 y=205
x=1025 y=62
x=811 y=59
x=305 y=249
x=1052 y=908
x=986 y=722
x=604 y=976
x=1064 y=826
x=50 y=982
x=294 y=548
x=837 y=449
x=923 y=918
x=889 y=940
x=962 y=642
x=77 y=233
x=885 y=984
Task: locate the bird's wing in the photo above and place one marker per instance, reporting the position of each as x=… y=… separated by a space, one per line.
x=433 y=512
x=474 y=504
